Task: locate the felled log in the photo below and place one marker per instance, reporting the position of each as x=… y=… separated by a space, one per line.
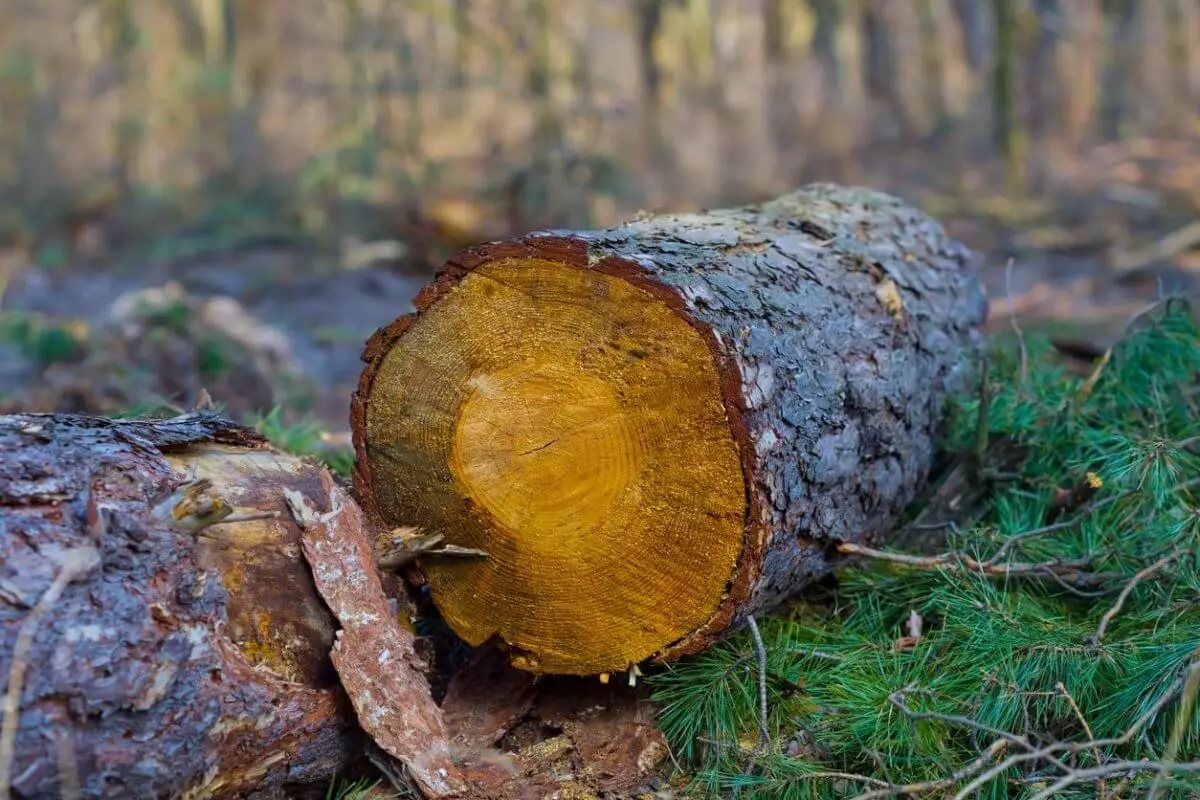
x=656 y=430
x=180 y=658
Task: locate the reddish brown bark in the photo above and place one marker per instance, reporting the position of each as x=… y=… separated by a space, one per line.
x=373 y=655
x=182 y=664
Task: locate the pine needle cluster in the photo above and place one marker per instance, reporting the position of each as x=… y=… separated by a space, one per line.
x=1050 y=649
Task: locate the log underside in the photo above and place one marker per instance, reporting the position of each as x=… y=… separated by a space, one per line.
x=813 y=338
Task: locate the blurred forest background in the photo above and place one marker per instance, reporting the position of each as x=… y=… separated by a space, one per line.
x=232 y=194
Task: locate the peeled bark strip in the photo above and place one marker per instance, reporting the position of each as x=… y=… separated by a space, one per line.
x=658 y=429
x=184 y=664
x=373 y=655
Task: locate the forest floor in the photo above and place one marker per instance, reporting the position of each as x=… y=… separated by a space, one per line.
x=264 y=323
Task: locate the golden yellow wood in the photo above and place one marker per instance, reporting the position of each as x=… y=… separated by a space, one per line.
x=570 y=424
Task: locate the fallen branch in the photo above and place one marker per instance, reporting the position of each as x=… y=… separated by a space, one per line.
x=1048 y=752
x=967 y=771
x=1012 y=319
x=1085 y=512
x=1069 y=571
x=1077 y=776
x=980 y=773
x=1087 y=729
x=1169 y=246
x=897 y=700
x=1179 y=726
x=760 y=650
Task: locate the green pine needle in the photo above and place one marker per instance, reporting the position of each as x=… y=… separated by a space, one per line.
x=853 y=707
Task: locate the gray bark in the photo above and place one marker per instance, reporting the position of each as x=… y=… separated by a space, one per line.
x=842 y=399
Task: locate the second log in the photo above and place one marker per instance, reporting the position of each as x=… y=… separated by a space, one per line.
x=658 y=429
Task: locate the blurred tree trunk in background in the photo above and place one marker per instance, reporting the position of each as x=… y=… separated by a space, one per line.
x=360 y=142
x=1010 y=132
x=1039 y=31
x=1118 y=55
x=698 y=39
x=1151 y=79
x=121 y=36
x=1077 y=59
x=324 y=98
x=977 y=29
x=27 y=111
x=215 y=79
x=411 y=84
x=900 y=77
x=724 y=31
x=462 y=44
x=648 y=23
x=649 y=16
x=788 y=29
x=947 y=48
x=851 y=81
x=1187 y=53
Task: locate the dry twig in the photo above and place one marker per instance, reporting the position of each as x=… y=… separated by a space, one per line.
x=1088 y=385
x=1084 y=513
x=1101 y=789
x=970 y=769
x=764 y=733
x=1167 y=247
x=1070 y=571
x=1077 y=776
x=1179 y=726
x=73 y=564
x=1012 y=318
x=1128 y=589
x=1072 y=776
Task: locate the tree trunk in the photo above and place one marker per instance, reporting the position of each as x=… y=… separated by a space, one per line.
x=188 y=659
x=656 y=430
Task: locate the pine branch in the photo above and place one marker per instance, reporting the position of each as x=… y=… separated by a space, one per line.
x=969 y=770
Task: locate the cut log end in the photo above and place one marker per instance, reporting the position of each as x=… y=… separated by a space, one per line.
x=572 y=425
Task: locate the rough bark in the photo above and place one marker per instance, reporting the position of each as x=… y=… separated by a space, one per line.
x=839 y=318
x=185 y=663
